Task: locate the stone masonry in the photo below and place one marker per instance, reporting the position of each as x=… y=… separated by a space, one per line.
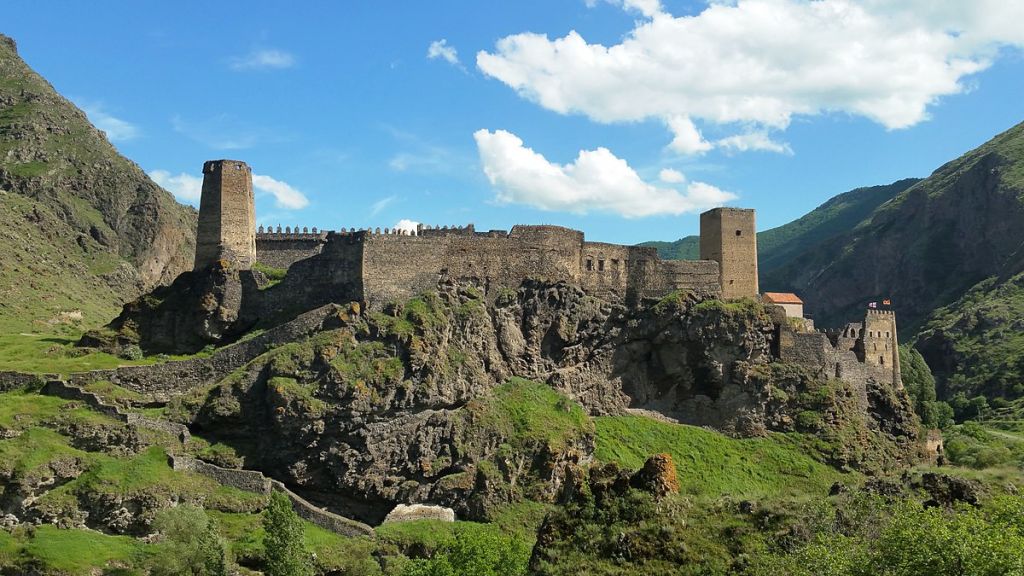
x=227 y=215
x=729 y=237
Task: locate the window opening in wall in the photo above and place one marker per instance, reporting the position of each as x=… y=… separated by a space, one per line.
x=875 y=347
x=881 y=360
x=600 y=265
x=590 y=264
x=839 y=371
x=615 y=264
x=739 y=232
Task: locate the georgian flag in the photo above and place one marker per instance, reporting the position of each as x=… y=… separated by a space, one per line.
x=872 y=304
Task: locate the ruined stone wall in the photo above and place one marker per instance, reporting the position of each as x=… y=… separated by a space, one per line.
x=163 y=381
x=728 y=236
x=227 y=215
x=281 y=249
x=880 y=347
x=335 y=275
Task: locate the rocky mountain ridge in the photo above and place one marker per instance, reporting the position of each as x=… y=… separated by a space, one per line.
x=81 y=218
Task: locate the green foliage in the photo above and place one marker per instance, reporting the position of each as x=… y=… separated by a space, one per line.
x=274 y=275
x=983 y=340
x=285 y=551
x=976 y=446
x=473 y=551
x=190 y=544
x=908 y=540
x=79 y=552
x=712 y=464
x=531 y=415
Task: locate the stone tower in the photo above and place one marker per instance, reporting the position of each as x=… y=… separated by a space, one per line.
x=729 y=237
x=881 y=348
x=227 y=216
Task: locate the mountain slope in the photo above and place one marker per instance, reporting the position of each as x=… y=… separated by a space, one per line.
x=86 y=229
x=927 y=246
x=780 y=245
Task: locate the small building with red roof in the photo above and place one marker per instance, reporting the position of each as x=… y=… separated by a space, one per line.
x=789 y=302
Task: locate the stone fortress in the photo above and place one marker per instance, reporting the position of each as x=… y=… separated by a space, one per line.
x=377 y=267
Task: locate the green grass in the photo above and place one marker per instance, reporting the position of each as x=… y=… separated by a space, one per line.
x=28 y=456
x=21 y=409
x=712 y=464
x=42 y=353
x=274 y=275
x=529 y=414
x=148 y=474
x=112 y=392
x=81 y=551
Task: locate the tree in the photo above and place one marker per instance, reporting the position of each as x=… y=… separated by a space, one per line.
x=283 y=543
x=190 y=544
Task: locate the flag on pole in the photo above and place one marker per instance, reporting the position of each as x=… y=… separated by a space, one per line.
x=886 y=302
x=872 y=304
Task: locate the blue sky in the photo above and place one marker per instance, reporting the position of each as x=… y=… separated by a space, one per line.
x=623 y=118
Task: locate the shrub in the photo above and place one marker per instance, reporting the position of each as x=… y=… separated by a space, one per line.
x=285 y=550
x=131 y=352
x=190 y=545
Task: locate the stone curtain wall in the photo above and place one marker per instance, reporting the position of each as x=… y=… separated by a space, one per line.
x=281 y=249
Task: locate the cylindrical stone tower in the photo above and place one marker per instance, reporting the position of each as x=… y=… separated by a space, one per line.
x=227 y=216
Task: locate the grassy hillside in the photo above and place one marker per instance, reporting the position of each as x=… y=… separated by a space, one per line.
x=84 y=228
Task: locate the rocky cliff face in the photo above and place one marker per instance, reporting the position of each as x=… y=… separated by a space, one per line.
x=441 y=399
x=82 y=215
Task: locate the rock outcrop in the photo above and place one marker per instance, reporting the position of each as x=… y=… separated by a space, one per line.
x=424 y=402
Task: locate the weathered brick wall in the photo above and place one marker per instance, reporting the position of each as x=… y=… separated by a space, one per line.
x=227 y=215
x=698 y=276
x=398 y=267
x=854 y=353
x=246 y=480
x=728 y=236
x=282 y=249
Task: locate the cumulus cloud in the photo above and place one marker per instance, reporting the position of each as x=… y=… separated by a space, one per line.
x=116 y=129
x=671 y=176
x=188 y=188
x=284 y=195
x=687 y=140
x=597 y=181
x=441 y=49
x=407 y=225
x=267 y=59
x=759 y=63
x=185 y=187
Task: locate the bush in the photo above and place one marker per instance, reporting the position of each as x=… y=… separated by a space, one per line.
x=285 y=549
x=131 y=352
x=479 y=552
x=190 y=544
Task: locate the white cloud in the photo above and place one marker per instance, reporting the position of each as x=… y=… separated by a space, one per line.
x=758 y=140
x=189 y=188
x=687 y=140
x=185 y=187
x=116 y=129
x=284 y=195
x=597 y=181
x=755 y=64
x=407 y=225
x=380 y=205
x=267 y=59
x=671 y=176
x=645 y=7
x=441 y=49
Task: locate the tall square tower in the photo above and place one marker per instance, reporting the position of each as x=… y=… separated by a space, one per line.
x=227 y=215
x=729 y=237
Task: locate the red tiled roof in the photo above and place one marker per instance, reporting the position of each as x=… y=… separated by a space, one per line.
x=782 y=298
